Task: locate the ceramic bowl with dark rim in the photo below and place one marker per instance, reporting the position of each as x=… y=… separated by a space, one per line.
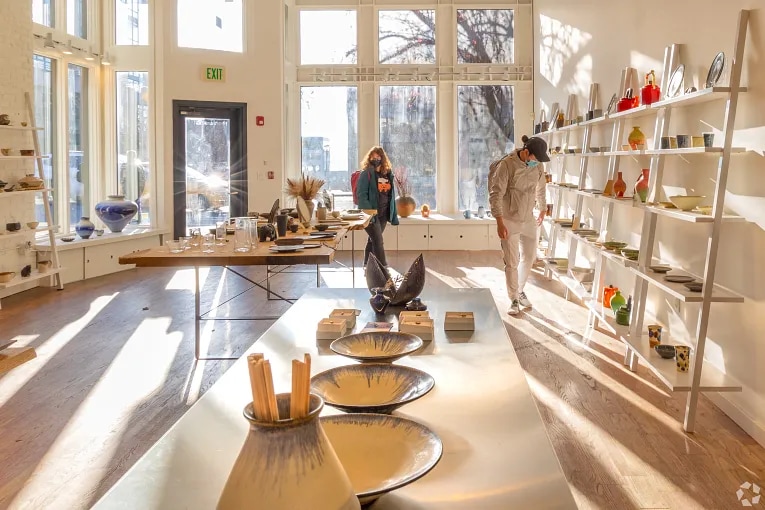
x=371 y=387
x=665 y=351
x=381 y=453
x=377 y=346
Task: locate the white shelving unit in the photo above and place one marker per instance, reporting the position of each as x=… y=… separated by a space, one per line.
x=703 y=376
x=55 y=270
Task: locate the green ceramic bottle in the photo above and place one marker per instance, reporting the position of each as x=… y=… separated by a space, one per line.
x=617 y=302
x=623 y=316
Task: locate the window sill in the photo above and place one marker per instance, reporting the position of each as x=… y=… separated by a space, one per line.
x=107 y=238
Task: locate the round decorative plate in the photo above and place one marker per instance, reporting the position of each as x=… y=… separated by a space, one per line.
x=676 y=81
x=660 y=269
x=715 y=70
x=286 y=249
x=381 y=453
x=371 y=387
x=678 y=278
x=377 y=346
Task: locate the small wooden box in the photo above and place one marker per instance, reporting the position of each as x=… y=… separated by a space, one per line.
x=407 y=315
x=421 y=326
x=345 y=313
x=331 y=329
x=459 y=321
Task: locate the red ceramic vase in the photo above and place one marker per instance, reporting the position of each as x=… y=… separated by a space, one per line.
x=620 y=187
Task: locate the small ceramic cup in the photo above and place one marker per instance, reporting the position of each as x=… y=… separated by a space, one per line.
x=654 y=335
x=294 y=228
x=683 y=357
x=99 y=232
x=44 y=265
x=5 y=152
x=335 y=214
x=673 y=142
x=697 y=141
x=683 y=141
x=665 y=143
x=709 y=139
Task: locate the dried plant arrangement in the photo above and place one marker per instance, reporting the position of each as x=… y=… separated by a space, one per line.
x=305 y=186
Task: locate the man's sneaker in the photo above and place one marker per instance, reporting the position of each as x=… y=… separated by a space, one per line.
x=523 y=300
x=515 y=308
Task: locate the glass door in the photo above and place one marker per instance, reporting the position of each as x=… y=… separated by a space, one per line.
x=209 y=178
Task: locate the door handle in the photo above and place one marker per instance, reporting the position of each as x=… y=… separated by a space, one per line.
x=233 y=192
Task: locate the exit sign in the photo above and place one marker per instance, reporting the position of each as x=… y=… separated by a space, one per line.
x=213 y=73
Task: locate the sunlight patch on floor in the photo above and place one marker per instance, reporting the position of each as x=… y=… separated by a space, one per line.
x=183 y=279
x=136 y=373
x=15 y=380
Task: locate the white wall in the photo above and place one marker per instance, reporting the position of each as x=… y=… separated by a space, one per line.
x=592 y=42
x=15 y=80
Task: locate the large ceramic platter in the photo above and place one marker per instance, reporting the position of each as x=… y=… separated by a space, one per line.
x=377 y=346
x=371 y=387
x=350 y=217
x=678 y=278
x=381 y=453
x=676 y=81
x=715 y=70
x=287 y=249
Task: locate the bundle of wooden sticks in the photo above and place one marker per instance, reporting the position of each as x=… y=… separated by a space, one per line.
x=263 y=397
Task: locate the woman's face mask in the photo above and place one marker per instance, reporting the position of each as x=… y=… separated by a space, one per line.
x=375 y=162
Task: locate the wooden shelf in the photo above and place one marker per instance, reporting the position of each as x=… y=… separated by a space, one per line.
x=593 y=154
x=20 y=128
x=2 y=158
x=600 y=120
x=570 y=283
x=6 y=194
x=25 y=232
x=701 y=96
x=14 y=356
x=690 y=216
x=681 y=292
x=640 y=111
x=608 y=254
x=665 y=370
x=36 y=275
x=693 y=150
x=627 y=153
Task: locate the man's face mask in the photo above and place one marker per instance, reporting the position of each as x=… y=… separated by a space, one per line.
x=532 y=163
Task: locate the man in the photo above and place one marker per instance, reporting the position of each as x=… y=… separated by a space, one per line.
x=516 y=182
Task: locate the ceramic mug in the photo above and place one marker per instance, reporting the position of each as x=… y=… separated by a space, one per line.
x=467 y=214
x=13 y=227
x=683 y=356
x=683 y=141
x=654 y=335
x=697 y=141
x=709 y=139
x=665 y=143
x=672 y=142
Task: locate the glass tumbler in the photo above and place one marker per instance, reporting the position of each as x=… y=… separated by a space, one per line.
x=220 y=233
x=208 y=243
x=242 y=235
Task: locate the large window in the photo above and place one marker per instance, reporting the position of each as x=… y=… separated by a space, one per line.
x=408 y=135
x=329 y=134
x=485 y=133
x=132 y=22
x=328 y=37
x=210 y=24
x=44 y=97
x=133 y=169
x=42 y=12
x=77 y=18
x=485 y=36
x=78 y=168
x=407 y=37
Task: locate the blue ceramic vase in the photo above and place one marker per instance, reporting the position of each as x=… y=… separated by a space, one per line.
x=116 y=212
x=379 y=301
x=84 y=227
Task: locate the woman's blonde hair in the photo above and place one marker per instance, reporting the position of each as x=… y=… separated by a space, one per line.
x=385 y=164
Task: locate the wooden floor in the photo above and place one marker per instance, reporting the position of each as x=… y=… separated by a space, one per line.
x=115 y=370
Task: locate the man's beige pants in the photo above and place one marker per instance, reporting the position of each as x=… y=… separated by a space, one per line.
x=519 y=252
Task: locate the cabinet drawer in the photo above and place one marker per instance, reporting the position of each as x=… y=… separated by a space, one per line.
x=459 y=237
x=413 y=237
x=104 y=259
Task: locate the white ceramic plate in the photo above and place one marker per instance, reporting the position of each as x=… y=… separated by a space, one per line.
x=377 y=346
x=286 y=249
x=676 y=81
x=371 y=387
x=381 y=453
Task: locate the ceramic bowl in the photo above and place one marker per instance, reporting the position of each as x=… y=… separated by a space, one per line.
x=660 y=269
x=353 y=211
x=44 y=265
x=377 y=346
x=294 y=228
x=6 y=151
x=288 y=241
x=381 y=453
x=99 y=232
x=27 y=152
x=321 y=228
x=686 y=203
x=7 y=276
x=694 y=286
x=335 y=214
x=33 y=224
x=371 y=387
x=583 y=274
x=68 y=239
x=665 y=351
x=614 y=245
x=705 y=209
x=630 y=254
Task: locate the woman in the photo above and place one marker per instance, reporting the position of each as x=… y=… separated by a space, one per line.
x=515 y=182
x=375 y=193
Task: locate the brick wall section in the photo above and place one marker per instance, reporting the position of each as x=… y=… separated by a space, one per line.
x=16 y=43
